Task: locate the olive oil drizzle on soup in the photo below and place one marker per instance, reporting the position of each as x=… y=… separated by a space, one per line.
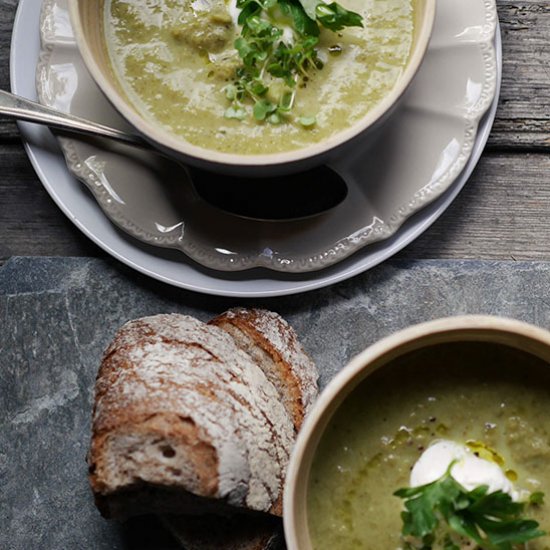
x=173 y=58
x=491 y=394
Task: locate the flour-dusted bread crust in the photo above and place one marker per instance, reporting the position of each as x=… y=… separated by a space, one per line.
x=273 y=344
x=179 y=408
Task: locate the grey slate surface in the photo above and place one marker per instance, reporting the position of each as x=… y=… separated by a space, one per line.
x=58 y=315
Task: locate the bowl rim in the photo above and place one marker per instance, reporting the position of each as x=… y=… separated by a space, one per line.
x=485 y=328
x=164 y=140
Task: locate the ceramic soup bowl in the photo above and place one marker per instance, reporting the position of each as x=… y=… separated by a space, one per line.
x=477 y=383
x=171 y=69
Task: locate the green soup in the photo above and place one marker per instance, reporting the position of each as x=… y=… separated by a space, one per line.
x=174 y=57
x=488 y=393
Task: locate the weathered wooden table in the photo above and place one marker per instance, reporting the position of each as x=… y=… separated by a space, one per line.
x=502 y=213
x=57 y=315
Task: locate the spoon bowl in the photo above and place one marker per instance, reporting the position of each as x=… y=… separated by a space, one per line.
x=295 y=197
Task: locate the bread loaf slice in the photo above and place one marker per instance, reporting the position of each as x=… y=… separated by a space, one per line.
x=273 y=345
x=184 y=421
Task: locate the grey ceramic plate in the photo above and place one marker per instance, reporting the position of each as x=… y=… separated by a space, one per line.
x=174 y=268
x=416 y=159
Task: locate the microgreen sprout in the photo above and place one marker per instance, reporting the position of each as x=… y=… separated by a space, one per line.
x=273 y=65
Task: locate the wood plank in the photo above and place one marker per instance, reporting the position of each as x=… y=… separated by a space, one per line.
x=30 y=222
x=7 y=14
x=502 y=213
x=523 y=117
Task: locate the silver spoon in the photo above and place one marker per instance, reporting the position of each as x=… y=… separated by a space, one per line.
x=292 y=197
x=20 y=108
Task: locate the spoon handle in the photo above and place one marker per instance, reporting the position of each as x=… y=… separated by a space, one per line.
x=21 y=108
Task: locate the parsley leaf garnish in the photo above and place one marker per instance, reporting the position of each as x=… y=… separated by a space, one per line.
x=446 y=509
x=273 y=67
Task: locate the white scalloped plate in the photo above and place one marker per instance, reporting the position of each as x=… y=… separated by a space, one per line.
x=172 y=267
x=419 y=155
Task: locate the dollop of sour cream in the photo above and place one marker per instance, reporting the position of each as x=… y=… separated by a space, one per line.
x=469 y=470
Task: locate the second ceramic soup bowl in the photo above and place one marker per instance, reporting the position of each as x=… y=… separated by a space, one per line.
x=476 y=384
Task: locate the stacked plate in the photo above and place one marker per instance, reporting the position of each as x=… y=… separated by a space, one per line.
x=142 y=209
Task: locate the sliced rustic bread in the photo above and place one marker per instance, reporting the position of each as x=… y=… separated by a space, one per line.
x=273 y=345
x=181 y=411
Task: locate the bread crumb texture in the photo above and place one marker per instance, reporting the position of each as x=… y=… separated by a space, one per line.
x=179 y=405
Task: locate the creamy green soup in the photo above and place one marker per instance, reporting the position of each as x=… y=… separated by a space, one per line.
x=491 y=394
x=174 y=58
